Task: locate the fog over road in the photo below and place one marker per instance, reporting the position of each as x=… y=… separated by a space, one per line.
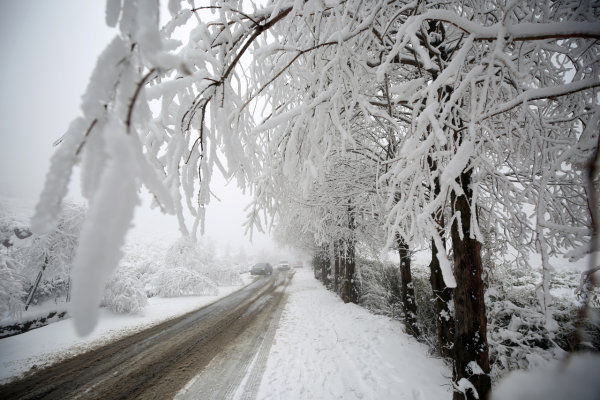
x=216 y=352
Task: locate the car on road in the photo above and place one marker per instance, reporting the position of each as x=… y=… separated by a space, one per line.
x=263 y=268
x=298 y=264
x=283 y=266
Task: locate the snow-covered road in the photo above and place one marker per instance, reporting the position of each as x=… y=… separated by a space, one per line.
x=270 y=340
x=325 y=349
x=52 y=343
x=155 y=363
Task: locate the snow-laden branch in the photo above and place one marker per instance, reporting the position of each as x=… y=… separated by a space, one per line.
x=542 y=93
x=516 y=32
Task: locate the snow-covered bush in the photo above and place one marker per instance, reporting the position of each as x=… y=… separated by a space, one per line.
x=28 y=253
x=191 y=254
x=517 y=333
x=200 y=257
x=54 y=250
x=173 y=282
x=11 y=289
x=378 y=287
x=380 y=292
x=144 y=261
x=426 y=314
x=124 y=293
x=221 y=275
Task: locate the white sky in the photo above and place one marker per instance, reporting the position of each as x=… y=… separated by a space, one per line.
x=48 y=49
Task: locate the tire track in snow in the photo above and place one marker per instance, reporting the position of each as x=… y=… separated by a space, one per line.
x=152 y=364
x=236 y=371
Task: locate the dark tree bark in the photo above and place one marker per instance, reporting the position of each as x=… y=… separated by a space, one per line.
x=325 y=268
x=336 y=268
x=349 y=292
x=470 y=340
x=409 y=302
x=36 y=283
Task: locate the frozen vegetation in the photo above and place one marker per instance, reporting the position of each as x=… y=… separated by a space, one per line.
x=518 y=337
x=186 y=268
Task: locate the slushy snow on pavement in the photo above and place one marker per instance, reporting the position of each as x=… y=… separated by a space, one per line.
x=54 y=342
x=325 y=349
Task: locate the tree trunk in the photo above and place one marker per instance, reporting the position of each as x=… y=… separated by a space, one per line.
x=470 y=340
x=325 y=268
x=409 y=303
x=336 y=269
x=36 y=283
x=442 y=295
x=349 y=292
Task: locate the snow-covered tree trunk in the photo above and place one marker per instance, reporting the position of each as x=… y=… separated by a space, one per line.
x=409 y=302
x=589 y=280
x=336 y=268
x=442 y=294
x=471 y=358
x=349 y=292
x=325 y=264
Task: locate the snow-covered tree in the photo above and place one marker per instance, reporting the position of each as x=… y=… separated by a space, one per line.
x=178 y=281
x=40 y=264
x=124 y=293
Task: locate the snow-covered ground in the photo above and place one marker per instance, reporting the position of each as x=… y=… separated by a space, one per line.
x=56 y=341
x=325 y=349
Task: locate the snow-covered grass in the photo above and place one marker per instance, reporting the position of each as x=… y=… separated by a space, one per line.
x=325 y=349
x=51 y=343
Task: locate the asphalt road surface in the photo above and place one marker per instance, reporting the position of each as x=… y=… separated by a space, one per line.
x=216 y=352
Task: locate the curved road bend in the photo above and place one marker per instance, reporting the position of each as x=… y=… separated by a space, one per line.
x=233 y=335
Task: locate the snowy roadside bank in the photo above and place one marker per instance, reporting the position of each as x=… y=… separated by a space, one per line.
x=46 y=345
x=325 y=349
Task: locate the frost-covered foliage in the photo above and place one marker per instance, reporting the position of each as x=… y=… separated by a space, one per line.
x=25 y=254
x=518 y=333
x=189 y=253
x=380 y=292
x=187 y=268
x=180 y=281
x=378 y=286
x=124 y=293
x=199 y=256
x=11 y=289
x=518 y=337
x=223 y=276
